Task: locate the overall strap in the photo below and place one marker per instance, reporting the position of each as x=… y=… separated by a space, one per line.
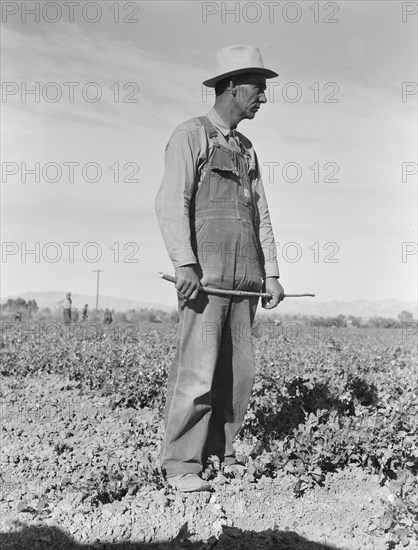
x=210 y=129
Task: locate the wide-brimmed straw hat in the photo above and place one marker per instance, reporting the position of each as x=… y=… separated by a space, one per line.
x=234 y=60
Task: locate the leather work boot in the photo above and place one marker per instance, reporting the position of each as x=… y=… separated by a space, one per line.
x=189 y=483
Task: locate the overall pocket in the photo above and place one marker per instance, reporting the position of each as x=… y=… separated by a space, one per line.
x=201 y=227
x=225 y=183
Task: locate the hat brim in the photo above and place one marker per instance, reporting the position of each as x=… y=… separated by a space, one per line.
x=266 y=72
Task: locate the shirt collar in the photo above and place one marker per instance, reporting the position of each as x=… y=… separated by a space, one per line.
x=219 y=123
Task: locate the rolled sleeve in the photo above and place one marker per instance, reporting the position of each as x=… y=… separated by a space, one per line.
x=172 y=202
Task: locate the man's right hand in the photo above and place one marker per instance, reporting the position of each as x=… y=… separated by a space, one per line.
x=187 y=282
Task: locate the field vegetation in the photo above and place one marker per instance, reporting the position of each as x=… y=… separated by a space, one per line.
x=327 y=396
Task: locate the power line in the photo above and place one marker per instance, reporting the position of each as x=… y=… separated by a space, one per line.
x=98 y=271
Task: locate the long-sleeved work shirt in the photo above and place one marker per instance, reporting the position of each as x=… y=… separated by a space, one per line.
x=186 y=153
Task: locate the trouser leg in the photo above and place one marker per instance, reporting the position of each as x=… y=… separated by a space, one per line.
x=233 y=380
x=189 y=401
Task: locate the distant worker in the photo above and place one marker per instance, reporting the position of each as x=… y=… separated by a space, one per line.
x=67 y=308
x=18 y=317
x=84 y=312
x=108 y=317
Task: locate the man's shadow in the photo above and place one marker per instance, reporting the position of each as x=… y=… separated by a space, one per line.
x=53 y=538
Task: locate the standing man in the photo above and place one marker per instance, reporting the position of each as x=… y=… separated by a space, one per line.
x=84 y=312
x=107 y=317
x=67 y=308
x=215 y=222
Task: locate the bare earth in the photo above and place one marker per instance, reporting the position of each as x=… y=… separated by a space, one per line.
x=55 y=436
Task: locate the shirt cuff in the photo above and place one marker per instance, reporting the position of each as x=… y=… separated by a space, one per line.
x=184 y=261
x=271 y=269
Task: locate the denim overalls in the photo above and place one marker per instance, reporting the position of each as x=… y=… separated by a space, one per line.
x=225 y=220
x=210 y=381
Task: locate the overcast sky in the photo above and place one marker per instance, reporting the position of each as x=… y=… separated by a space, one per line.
x=336 y=123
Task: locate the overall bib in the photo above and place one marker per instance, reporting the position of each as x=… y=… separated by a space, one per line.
x=211 y=378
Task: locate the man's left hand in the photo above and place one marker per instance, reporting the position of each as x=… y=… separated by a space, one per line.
x=274 y=288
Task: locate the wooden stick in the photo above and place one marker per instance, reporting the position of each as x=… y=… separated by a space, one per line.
x=222 y=292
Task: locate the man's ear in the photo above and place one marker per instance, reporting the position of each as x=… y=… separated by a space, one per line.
x=233 y=86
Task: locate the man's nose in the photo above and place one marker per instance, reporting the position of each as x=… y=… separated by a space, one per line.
x=262 y=98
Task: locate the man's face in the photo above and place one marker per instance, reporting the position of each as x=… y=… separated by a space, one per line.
x=250 y=94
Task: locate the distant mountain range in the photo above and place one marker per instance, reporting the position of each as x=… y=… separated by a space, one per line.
x=303 y=306
x=358 y=308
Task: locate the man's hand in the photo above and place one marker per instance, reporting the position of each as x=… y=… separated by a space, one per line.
x=274 y=288
x=187 y=282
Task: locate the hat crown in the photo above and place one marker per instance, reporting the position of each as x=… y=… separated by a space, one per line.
x=238 y=57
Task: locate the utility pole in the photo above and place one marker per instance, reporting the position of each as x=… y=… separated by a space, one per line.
x=98 y=271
